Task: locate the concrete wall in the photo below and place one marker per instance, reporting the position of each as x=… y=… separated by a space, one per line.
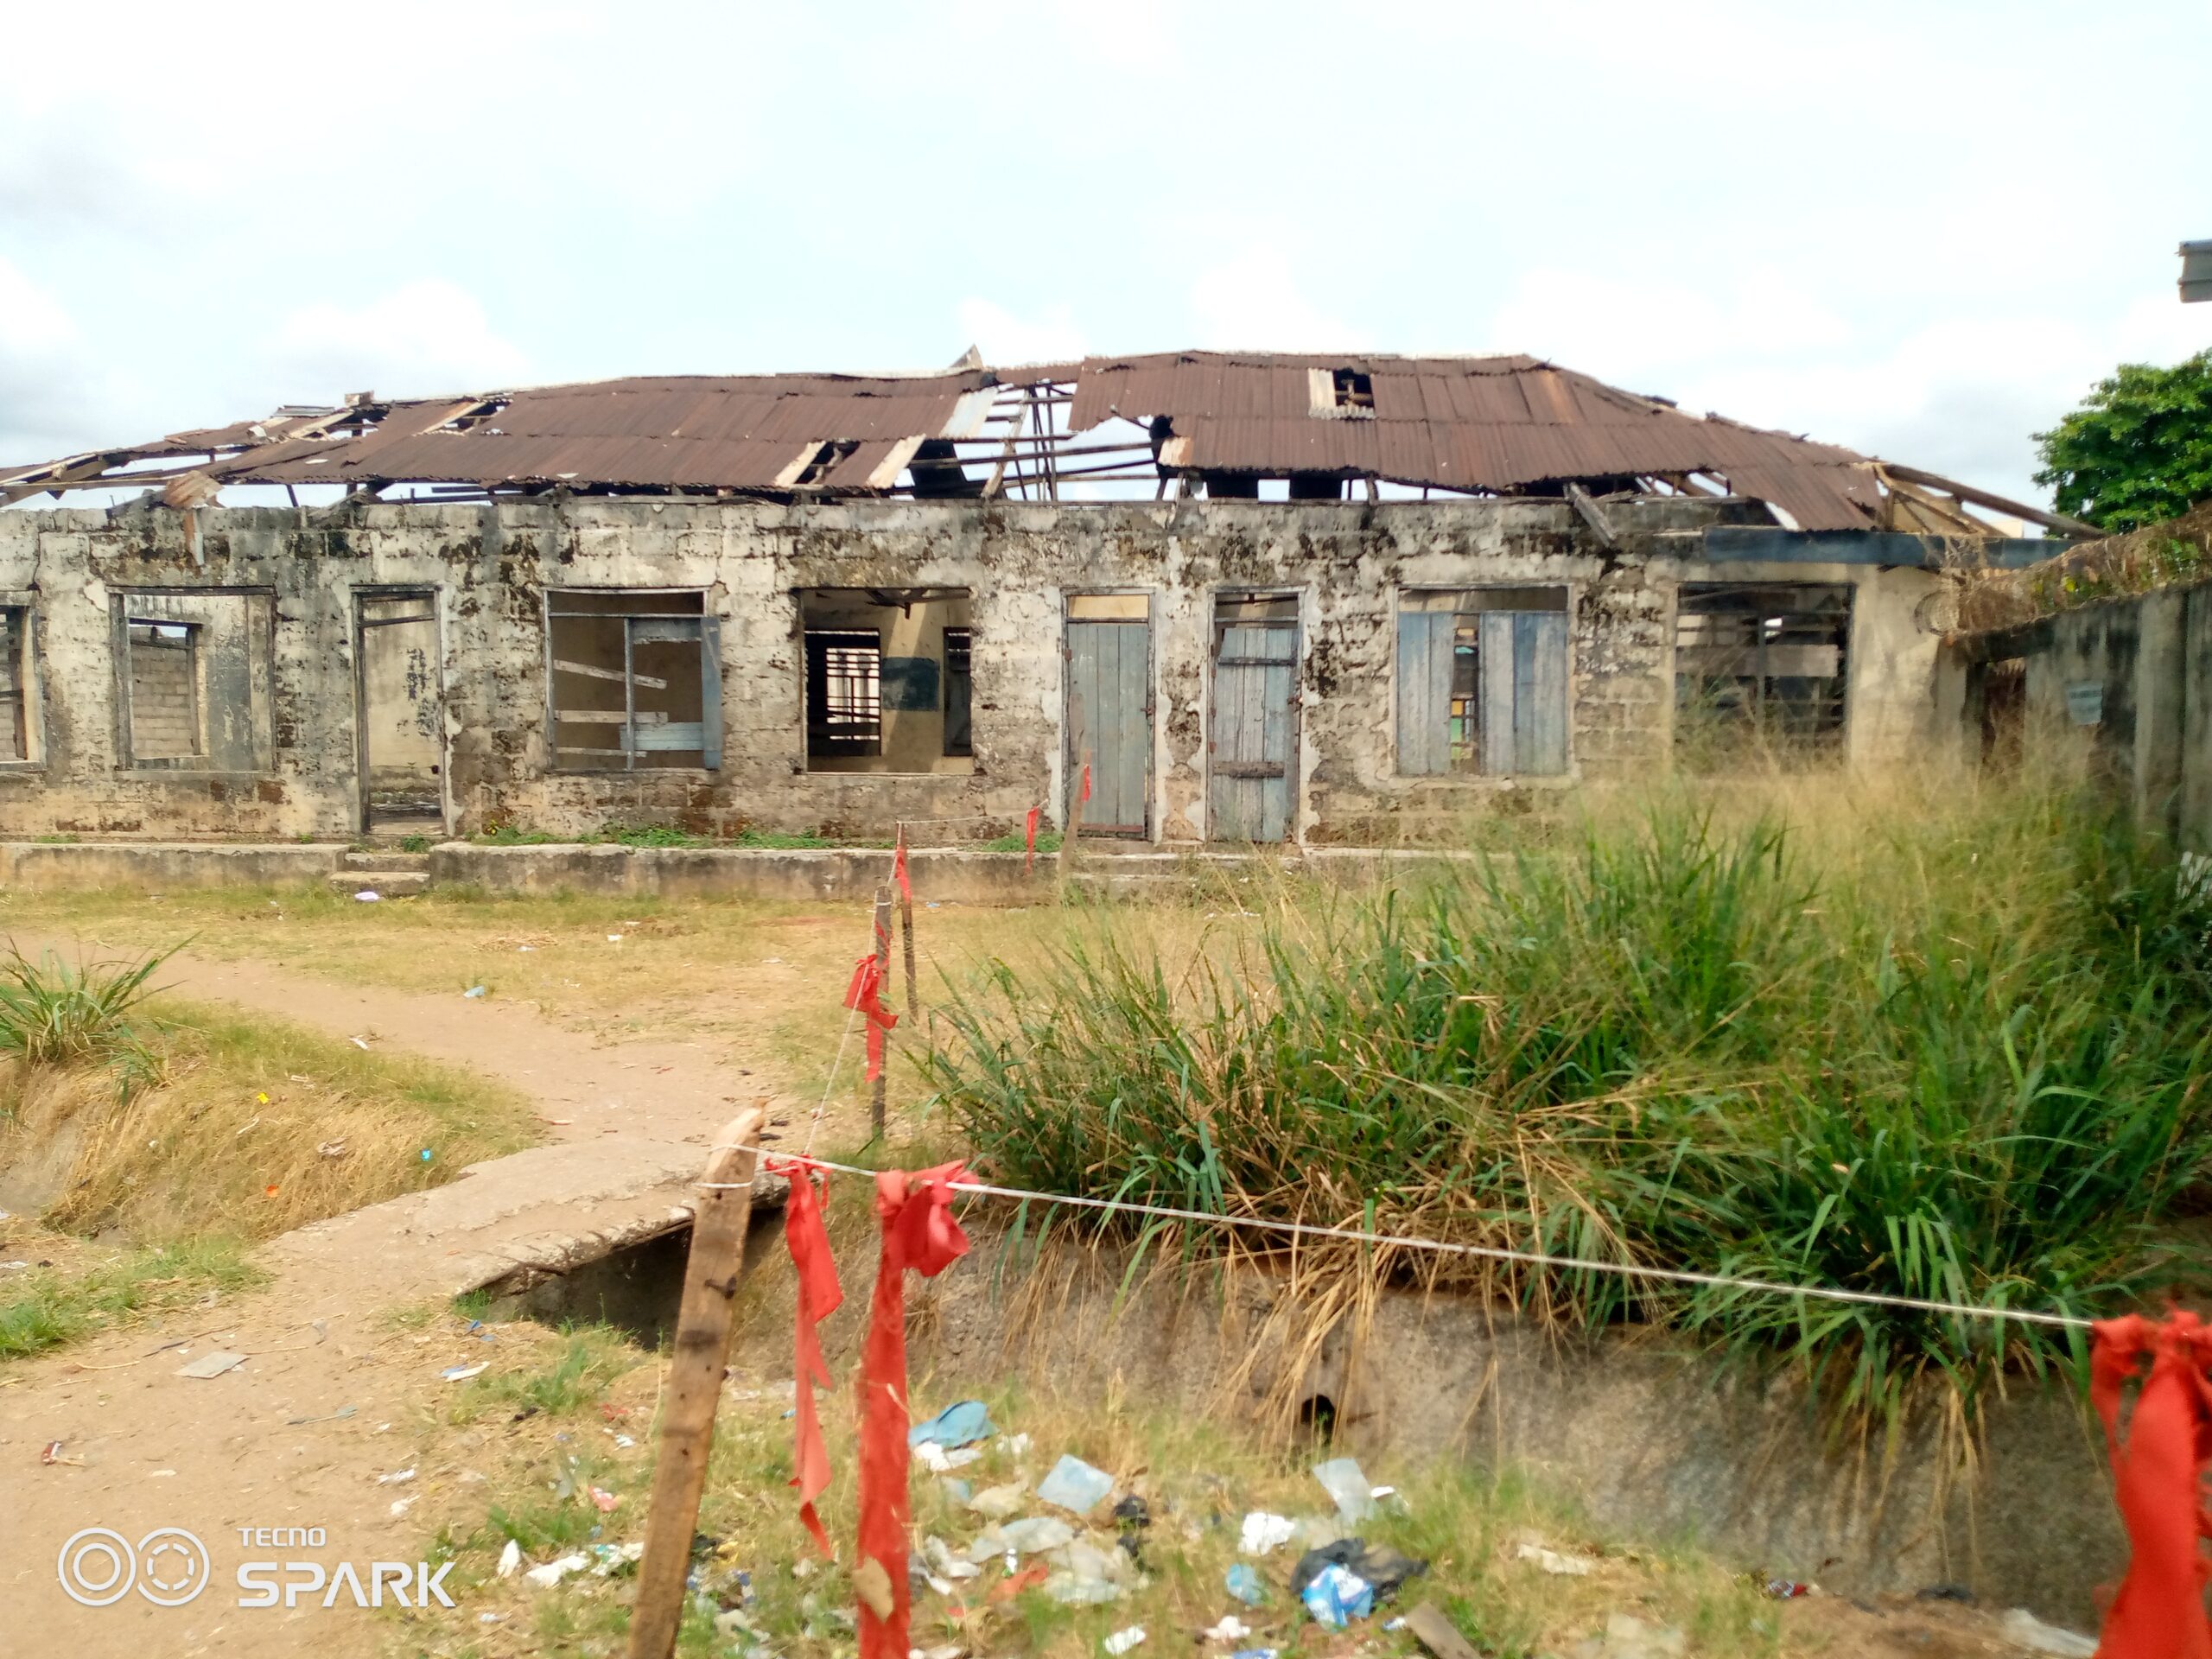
x=2126 y=686
x=289 y=765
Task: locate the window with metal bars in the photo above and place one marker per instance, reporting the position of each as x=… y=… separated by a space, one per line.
x=1761 y=669
x=844 y=691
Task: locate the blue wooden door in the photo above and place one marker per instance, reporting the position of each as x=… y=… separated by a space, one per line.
x=1110 y=724
x=1252 y=739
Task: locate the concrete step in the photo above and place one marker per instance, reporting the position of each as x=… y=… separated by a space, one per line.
x=380 y=858
x=385 y=884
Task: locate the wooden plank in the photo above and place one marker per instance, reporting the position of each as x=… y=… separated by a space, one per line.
x=561 y=666
x=673 y=735
x=695 y=1384
x=710 y=692
x=1438 y=1633
x=1544 y=752
x=1424 y=640
x=1132 y=731
x=1494 y=677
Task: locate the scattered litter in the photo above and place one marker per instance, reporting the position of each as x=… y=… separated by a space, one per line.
x=357 y=1042
x=331 y=1148
x=607 y=1500
x=1230 y=1629
x=1253 y=1653
x=53 y=1452
x=546 y=1577
x=1438 y=1633
x=1035 y=1532
x=2023 y=1628
x=625 y=1441
x=160 y=1474
x=13 y=1267
x=462 y=1373
x=339 y=1415
x=400 y=1506
x=474 y=990
x=211 y=1363
x=426 y=1154
x=1074 y=1485
x=1377 y=1566
x=1566 y=1567
x=938 y=1461
x=1122 y=1640
x=1395 y=1624
x=526 y=947
x=1132 y=1513
x=614 y=1560
x=490 y=1619
x=1348 y=1488
x=1014 y=1445
x=1337 y=1596
x=395 y=1477
x=615 y=938
x=367 y=896
x=511 y=1560
x=956 y=1425
x=943 y=1562
x=1243 y=1583
x=873 y=1586
x=1264 y=1532
x=1786 y=1589
x=999 y=1503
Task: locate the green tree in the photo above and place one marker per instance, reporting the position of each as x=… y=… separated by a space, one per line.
x=2139 y=449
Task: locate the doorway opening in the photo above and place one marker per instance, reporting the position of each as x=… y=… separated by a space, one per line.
x=400 y=693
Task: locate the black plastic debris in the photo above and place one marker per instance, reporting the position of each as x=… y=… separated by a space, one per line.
x=1378 y=1564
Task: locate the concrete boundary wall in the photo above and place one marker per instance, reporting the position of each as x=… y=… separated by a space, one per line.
x=798 y=875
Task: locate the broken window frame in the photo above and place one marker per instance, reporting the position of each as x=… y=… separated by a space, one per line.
x=1505 y=707
x=833 y=731
x=1760 y=719
x=639 y=738
x=22 y=703
x=959 y=680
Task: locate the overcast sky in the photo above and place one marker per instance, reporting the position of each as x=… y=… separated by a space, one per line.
x=1923 y=229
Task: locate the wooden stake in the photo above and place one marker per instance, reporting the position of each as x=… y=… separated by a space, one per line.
x=695 y=1384
x=906 y=937
x=882 y=977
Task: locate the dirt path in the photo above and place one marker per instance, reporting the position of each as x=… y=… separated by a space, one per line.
x=264 y=1446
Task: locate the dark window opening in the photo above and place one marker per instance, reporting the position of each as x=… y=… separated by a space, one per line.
x=959 y=737
x=844 y=691
x=1760 y=671
x=15 y=684
x=1354 y=389
x=635 y=680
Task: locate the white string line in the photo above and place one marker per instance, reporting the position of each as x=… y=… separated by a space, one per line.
x=1495 y=1252
x=830 y=1082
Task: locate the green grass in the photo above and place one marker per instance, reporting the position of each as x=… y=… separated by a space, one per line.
x=1962 y=1062
x=48 y=1307
x=1048 y=841
x=54 y=1015
x=590 y=1359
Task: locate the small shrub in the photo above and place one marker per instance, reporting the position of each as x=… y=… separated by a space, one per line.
x=54 y=1015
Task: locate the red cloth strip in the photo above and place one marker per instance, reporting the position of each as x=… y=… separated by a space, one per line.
x=865 y=994
x=819 y=1295
x=899 y=873
x=1086 y=780
x=2157 y=1478
x=1029 y=836
x=920 y=1233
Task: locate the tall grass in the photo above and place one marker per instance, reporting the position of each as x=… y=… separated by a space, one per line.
x=1957 y=1060
x=54 y=1015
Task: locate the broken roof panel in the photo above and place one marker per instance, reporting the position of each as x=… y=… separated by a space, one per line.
x=1502 y=424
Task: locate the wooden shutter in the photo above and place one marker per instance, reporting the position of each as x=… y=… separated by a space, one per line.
x=1425 y=692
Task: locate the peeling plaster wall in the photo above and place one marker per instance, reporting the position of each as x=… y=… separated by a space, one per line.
x=490 y=565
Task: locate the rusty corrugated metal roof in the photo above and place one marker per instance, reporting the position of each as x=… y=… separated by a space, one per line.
x=1502 y=425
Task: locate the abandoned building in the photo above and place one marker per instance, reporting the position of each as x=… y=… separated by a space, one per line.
x=1199 y=597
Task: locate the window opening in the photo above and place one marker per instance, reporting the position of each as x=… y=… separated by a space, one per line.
x=1760 y=669
x=1355 y=389
x=636 y=680
x=1483 y=683
x=165 y=702
x=15 y=682
x=844 y=684
x=959 y=657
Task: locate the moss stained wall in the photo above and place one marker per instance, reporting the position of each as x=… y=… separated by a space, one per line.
x=1345 y=562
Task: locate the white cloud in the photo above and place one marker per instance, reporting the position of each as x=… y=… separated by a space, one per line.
x=427 y=337
x=1053 y=336
x=1253 y=302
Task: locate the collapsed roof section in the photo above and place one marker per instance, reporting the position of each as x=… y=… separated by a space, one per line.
x=1164 y=425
